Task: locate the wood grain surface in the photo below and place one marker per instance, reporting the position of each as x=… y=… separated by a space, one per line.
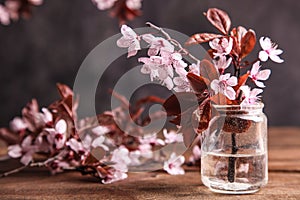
x=36 y=183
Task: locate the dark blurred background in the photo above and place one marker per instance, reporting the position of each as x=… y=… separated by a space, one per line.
x=35 y=54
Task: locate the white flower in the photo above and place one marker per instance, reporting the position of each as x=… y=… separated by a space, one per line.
x=47 y=116
x=99 y=142
x=196 y=154
x=172 y=137
x=222 y=63
x=26 y=150
x=224 y=85
x=100 y=130
x=104 y=4
x=250 y=96
x=4 y=16
x=134 y=4
x=57 y=135
x=129 y=40
x=173 y=165
x=121 y=159
x=17 y=124
x=157 y=44
x=269 y=50
x=157 y=70
x=222 y=46
x=257 y=75
x=75 y=145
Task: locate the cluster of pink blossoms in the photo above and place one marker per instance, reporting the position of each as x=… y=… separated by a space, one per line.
x=96 y=147
x=166 y=64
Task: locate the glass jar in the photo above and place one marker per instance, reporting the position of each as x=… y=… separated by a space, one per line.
x=234 y=157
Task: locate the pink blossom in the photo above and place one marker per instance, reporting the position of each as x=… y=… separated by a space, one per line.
x=100 y=130
x=4 y=15
x=152 y=140
x=104 y=4
x=224 y=85
x=58 y=166
x=26 y=150
x=173 y=165
x=269 y=50
x=13 y=8
x=120 y=158
x=99 y=142
x=172 y=137
x=155 y=67
x=157 y=44
x=75 y=145
x=18 y=124
x=36 y=2
x=134 y=4
x=129 y=40
x=222 y=63
x=250 y=96
x=194 y=68
x=111 y=175
x=181 y=84
x=47 y=116
x=196 y=154
x=222 y=46
x=257 y=74
x=57 y=135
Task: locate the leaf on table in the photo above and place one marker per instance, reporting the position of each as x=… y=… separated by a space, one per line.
x=219 y=19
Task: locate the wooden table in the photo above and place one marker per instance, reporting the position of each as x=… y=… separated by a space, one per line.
x=284 y=180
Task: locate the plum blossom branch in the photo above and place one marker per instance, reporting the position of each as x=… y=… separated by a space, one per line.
x=174 y=42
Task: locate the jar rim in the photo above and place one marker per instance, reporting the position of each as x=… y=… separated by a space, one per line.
x=239 y=107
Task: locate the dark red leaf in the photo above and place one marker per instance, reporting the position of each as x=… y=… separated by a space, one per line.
x=242 y=80
x=247 y=43
x=198 y=83
x=208 y=71
x=201 y=38
x=219 y=19
x=180 y=102
x=202 y=117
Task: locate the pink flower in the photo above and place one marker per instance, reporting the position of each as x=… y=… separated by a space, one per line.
x=4 y=15
x=111 y=175
x=224 y=85
x=104 y=4
x=222 y=63
x=152 y=140
x=99 y=142
x=75 y=145
x=250 y=96
x=134 y=4
x=196 y=154
x=181 y=84
x=172 y=137
x=47 y=116
x=157 y=44
x=173 y=165
x=120 y=158
x=57 y=135
x=222 y=46
x=17 y=124
x=155 y=67
x=36 y=2
x=257 y=75
x=129 y=40
x=100 y=130
x=26 y=150
x=269 y=50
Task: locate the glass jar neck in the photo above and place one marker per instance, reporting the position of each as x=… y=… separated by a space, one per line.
x=238 y=109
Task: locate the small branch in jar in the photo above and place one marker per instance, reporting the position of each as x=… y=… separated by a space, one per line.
x=174 y=42
x=231 y=161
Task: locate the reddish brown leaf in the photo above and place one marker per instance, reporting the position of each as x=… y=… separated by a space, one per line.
x=242 y=80
x=237 y=35
x=247 y=43
x=64 y=90
x=208 y=71
x=189 y=135
x=202 y=117
x=180 y=102
x=201 y=38
x=8 y=136
x=219 y=19
x=198 y=83
x=219 y=99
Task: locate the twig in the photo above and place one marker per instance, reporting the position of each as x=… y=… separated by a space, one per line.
x=231 y=161
x=174 y=42
x=13 y=171
x=44 y=163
